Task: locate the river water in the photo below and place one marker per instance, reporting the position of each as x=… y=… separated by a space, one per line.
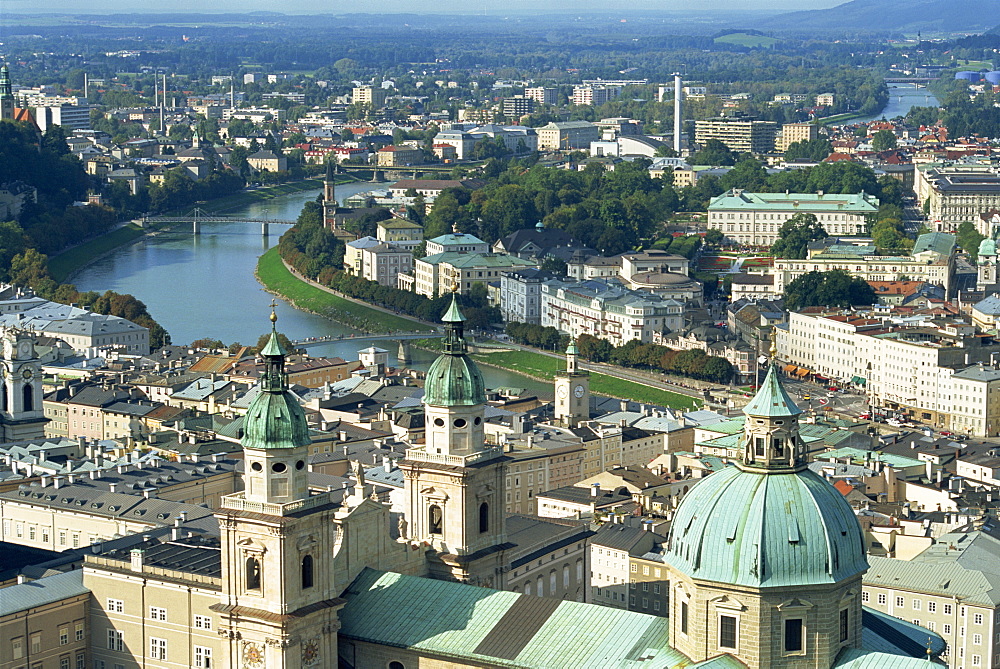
x=204 y=286
x=902 y=98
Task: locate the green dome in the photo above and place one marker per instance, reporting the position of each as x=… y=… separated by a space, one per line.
x=760 y=529
x=454 y=380
x=987 y=247
x=275 y=420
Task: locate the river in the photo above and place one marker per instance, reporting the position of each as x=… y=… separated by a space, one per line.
x=902 y=97
x=204 y=286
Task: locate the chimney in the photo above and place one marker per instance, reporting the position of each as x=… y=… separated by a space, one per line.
x=71 y=478
x=595 y=490
x=21 y=579
x=57 y=482
x=113 y=487
x=387 y=464
x=137 y=555
x=93 y=473
x=45 y=481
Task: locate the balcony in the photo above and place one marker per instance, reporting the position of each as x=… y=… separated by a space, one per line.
x=238 y=502
x=420 y=455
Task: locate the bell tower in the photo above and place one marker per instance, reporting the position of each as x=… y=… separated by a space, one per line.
x=279 y=602
x=455 y=482
x=572 y=391
x=21 y=414
x=6 y=94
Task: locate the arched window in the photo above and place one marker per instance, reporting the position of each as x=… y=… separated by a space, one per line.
x=253 y=573
x=4 y=405
x=29 y=397
x=565 y=575
x=307 y=572
x=434 y=519
x=540 y=587
x=484 y=517
x=396 y=665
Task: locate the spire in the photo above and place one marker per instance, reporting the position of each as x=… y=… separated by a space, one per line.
x=453 y=319
x=329 y=170
x=772 y=399
x=274 y=379
x=6 y=89
x=571 y=353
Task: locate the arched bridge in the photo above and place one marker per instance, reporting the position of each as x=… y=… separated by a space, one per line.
x=199 y=216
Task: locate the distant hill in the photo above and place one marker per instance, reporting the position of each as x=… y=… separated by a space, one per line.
x=891 y=16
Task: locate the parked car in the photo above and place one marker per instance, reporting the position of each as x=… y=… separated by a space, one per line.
x=865 y=416
x=946 y=433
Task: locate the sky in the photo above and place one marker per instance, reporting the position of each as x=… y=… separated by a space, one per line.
x=492 y=7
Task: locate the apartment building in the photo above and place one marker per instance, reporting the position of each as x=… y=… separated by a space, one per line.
x=400 y=232
x=542 y=95
x=518 y=106
x=437 y=274
x=369 y=95
x=71 y=117
x=612 y=553
x=399 y=156
x=756 y=218
x=607 y=310
x=521 y=295
x=594 y=96
x=741 y=135
x=949 y=589
x=385 y=262
x=796 y=132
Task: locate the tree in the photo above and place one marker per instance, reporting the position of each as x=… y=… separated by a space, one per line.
x=883 y=140
x=554 y=265
x=795 y=235
x=594 y=349
x=889 y=235
x=285 y=342
x=835 y=288
x=969 y=238
x=713 y=153
x=714 y=237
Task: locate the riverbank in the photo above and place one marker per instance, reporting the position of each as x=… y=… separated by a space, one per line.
x=277 y=279
x=544 y=368
x=64 y=265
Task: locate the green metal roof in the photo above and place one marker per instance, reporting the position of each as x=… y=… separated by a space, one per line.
x=860 y=203
x=469 y=624
x=935 y=577
x=772 y=399
x=275 y=419
x=454 y=379
x=938 y=242
x=854 y=658
x=273 y=346
x=860 y=456
x=453 y=315
x=766 y=529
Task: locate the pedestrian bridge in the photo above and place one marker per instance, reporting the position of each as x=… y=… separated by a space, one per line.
x=199 y=216
x=399 y=336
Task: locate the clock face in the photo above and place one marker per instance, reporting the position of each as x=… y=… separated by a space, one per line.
x=562 y=391
x=253 y=655
x=310 y=653
x=26 y=374
x=578 y=392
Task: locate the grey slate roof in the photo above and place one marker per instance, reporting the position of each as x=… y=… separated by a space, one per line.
x=43 y=591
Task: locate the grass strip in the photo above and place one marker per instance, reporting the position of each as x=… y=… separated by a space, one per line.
x=67 y=262
x=543 y=366
x=276 y=278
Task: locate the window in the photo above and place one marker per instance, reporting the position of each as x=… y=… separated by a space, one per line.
x=64 y=662
x=36 y=642
x=484 y=517
x=793 y=635
x=978 y=618
x=307 y=571
x=63 y=636
x=727 y=632
x=947 y=609
x=156 y=613
x=916 y=604
x=253 y=573
x=881 y=598
x=434 y=519
x=81 y=661
x=977 y=639
x=845 y=624
x=396 y=665
x=900 y=601
x=864 y=596
x=931 y=607
x=115 y=641
x=157 y=648
x=79 y=632
x=946 y=629
x=17 y=648
x=976 y=660
x=202 y=657
x=203 y=622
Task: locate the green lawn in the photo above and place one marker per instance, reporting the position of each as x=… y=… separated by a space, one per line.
x=746 y=39
x=546 y=367
x=64 y=264
x=275 y=276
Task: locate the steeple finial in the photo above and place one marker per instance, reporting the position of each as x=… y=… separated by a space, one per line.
x=274 y=315
x=774 y=344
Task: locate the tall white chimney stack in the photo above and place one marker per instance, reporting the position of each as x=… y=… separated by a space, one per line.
x=677 y=112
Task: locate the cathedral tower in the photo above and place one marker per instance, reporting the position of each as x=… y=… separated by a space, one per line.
x=21 y=413
x=455 y=482
x=279 y=603
x=572 y=391
x=765 y=558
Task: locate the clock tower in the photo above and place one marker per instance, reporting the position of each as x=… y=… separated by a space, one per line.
x=279 y=602
x=21 y=414
x=572 y=391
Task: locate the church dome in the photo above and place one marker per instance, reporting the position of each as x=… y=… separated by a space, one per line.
x=275 y=420
x=454 y=378
x=987 y=247
x=766 y=529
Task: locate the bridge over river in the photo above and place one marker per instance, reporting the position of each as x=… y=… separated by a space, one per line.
x=199 y=216
x=400 y=336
